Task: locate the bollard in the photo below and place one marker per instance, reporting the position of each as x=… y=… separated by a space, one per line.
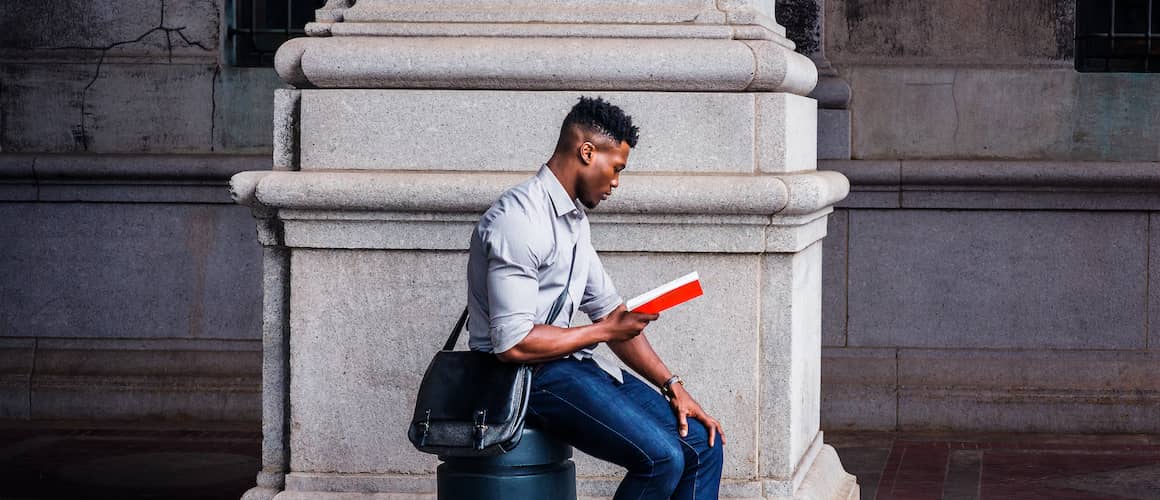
x=539 y=468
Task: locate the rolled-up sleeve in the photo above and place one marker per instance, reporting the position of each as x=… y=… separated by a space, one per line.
x=512 y=284
x=600 y=297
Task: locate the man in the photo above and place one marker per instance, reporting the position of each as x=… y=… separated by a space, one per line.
x=522 y=254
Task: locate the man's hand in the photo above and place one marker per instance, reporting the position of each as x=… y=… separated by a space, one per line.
x=625 y=325
x=685 y=406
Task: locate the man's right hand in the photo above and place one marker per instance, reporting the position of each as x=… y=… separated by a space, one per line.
x=625 y=325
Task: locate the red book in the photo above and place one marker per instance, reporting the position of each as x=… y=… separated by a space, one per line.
x=667 y=295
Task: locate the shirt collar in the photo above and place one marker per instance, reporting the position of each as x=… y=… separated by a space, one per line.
x=559 y=196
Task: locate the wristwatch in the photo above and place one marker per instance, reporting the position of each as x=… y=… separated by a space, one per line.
x=667 y=387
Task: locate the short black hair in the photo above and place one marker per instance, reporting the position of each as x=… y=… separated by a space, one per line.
x=602 y=117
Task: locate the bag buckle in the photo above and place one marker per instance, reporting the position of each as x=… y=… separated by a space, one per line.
x=425 y=428
x=480 y=427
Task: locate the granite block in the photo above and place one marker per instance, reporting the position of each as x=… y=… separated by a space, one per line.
x=375 y=129
x=98 y=24
x=149 y=108
x=125 y=271
x=125 y=108
x=961 y=279
x=897 y=32
x=834 y=279
x=1029 y=391
x=834 y=134
x=1114 y=117
x=936 y=112
x=381 y=366
x=790 y=357
x=41 y=106
x=287 y=123
x=786 y=131
x=243 y=110
x=392 y=310
x=859 y=388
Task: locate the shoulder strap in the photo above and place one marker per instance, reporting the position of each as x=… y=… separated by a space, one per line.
x=553 y=313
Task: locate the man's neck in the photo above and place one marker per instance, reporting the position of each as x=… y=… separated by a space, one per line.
x=563 y=173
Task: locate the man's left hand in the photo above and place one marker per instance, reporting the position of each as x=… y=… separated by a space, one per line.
x=685 y=407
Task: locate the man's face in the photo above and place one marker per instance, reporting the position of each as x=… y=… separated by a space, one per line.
x=602 y=174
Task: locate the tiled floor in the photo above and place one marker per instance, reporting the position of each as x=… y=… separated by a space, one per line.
x=1001 y=466
x=146 y=462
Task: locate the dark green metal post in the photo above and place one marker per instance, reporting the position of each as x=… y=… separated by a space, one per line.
x=538 y=469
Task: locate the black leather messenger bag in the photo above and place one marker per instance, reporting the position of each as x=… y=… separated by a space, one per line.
x=471 y=404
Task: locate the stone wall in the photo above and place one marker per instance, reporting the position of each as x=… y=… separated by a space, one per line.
x=983 y=79
x=129 y=281
x=989 y=271
x=991 y=268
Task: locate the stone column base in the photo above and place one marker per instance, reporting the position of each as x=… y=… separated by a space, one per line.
x=822 y=479
x=260 y=493
x=827 y=479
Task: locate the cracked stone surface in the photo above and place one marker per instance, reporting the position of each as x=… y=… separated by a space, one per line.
x=109 y=24
x=129 y=108
x=107 y=106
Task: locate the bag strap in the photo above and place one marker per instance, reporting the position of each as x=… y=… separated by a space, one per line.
x=553 y=313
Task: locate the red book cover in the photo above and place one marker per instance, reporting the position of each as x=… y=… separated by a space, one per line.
x=667 y=295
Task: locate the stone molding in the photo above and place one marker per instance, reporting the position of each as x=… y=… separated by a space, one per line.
x=462 y=192
x=122 y=178
x=1017 y=390
x=509 y=63
x=1000 y=185
x=433 y=210
x=548 y=30
x=127 y=379
x=832 y=92
x=553 y=11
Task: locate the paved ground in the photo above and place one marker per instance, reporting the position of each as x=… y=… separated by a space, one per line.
x=63 y=461
x=1001 y=466
x=143 y=462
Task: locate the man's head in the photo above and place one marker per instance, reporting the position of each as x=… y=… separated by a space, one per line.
x=593 y=148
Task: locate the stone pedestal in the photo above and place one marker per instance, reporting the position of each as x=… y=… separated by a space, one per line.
x=408 y=119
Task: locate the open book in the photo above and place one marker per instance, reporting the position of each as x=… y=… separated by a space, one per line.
x=667 y=295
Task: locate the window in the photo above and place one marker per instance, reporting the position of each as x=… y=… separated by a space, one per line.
x=258 y=27
x=1117 y=36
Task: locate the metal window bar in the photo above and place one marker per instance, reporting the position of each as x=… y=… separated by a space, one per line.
x=258 y=27
x=1108 y=50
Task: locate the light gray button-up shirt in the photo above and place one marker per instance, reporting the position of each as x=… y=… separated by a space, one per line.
x=518 y=261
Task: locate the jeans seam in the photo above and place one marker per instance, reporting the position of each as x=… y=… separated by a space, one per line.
x=697 y=466
x=651 y=464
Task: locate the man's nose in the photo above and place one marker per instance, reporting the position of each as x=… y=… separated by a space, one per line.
x=616 y=181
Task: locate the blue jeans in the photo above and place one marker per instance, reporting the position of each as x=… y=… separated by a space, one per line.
x=628 y=424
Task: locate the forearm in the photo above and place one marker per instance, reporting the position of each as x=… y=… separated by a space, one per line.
x=546 y=342
x=639 y=355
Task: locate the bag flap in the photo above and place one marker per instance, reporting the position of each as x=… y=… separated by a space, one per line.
x=458 y=383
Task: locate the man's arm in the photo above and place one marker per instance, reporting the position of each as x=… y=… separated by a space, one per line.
x=639 y=355
x=547 y=342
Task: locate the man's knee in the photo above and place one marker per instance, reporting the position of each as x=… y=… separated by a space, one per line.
x=714 y=455
x=665 y=463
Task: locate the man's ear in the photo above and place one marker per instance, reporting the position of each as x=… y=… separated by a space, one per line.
x=586 y=151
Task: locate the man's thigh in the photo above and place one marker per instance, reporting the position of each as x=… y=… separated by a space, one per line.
x=582 y=405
